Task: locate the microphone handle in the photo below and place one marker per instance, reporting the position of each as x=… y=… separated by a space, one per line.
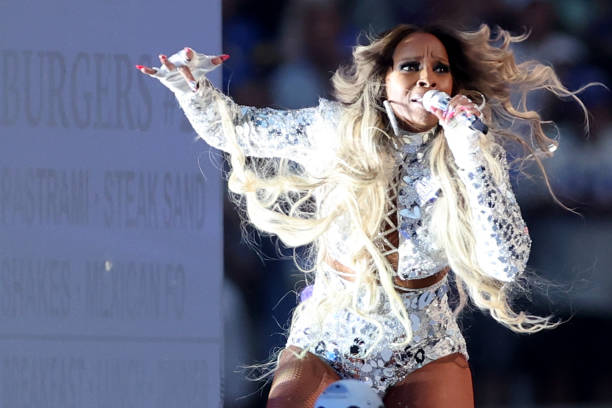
x=477 y=124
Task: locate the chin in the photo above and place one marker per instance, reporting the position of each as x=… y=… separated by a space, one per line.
x=420 y=126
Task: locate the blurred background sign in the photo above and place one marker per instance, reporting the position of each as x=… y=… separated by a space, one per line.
x=110 y=225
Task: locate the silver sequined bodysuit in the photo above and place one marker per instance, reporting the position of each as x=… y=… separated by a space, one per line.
x=307 y=136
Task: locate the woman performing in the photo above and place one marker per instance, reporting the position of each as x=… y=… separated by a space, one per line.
x=392 y=188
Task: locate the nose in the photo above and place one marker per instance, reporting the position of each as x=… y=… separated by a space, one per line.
x=426 y=84
x=426 y=79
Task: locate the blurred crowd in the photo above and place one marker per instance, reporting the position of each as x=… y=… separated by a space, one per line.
x=283 y=54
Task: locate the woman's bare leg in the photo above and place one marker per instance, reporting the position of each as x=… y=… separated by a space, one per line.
x=299 y=382
x=446 y=382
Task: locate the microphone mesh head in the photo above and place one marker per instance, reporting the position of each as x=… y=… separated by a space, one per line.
x=432 y=99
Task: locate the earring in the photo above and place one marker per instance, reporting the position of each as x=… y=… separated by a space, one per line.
x=392 y=118
x=484 y=101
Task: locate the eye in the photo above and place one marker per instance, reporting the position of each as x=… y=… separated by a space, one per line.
x=410 y=66
x=441 y=68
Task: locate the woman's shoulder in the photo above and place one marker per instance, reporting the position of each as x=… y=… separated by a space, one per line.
x=330 y=109
x=325 y=122
x=323 y=135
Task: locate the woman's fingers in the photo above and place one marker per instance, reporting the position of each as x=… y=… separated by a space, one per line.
x=461 y=104
x=146 y=70
x=188 y=54
x=458 y=100
x=439 y=113
x=218 y=60
x=188 y=63
x=451 y=113
x=186 y=72
x=164 y=60
x=458 y=105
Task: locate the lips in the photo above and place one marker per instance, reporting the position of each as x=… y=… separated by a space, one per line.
x=416 y=98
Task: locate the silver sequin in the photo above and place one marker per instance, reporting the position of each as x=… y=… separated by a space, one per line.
x=435 y=335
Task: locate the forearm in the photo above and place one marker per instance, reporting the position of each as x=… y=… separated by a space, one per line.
x=259 y=132
x=201 y=109
x=501 y=236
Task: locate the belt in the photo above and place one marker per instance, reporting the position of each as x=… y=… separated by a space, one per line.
x=402 y=283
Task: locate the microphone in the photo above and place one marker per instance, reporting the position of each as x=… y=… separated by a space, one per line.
x=440 y=100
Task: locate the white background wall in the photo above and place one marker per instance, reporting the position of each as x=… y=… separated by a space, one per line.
x=110 y=236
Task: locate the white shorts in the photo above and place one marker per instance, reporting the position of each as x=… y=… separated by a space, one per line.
x=345 y=336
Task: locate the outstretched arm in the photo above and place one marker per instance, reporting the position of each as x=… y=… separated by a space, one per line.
x=266 y=132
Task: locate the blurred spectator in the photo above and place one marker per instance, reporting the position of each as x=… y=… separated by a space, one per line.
x=309 y=41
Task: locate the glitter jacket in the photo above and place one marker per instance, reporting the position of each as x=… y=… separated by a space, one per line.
x=308 y=137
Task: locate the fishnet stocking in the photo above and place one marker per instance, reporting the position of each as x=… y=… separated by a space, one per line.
x=299 y=382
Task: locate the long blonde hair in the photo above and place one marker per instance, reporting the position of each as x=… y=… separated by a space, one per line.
x=280 y=200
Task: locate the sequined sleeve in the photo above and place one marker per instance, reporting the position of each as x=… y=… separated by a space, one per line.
x=502 y=239
x=261 y=132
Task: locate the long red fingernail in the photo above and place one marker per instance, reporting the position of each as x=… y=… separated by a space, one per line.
x=224 y=57
x=139 y=67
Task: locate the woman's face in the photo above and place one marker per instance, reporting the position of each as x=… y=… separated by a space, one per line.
x=420 y=63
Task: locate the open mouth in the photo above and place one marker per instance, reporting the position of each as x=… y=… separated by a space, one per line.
x=418 y=99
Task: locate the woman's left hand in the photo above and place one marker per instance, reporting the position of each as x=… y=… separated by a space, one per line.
x=458 y=105
x=462 y=140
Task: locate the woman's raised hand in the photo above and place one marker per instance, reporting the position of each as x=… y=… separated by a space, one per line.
x=182 y=71
x=461 y=138
x=457 y=105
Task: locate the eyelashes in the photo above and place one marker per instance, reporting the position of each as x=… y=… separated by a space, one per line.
x=410 y=66
x=414 y=66
x=442 y=68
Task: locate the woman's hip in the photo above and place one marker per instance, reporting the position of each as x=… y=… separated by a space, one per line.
x=374 y=348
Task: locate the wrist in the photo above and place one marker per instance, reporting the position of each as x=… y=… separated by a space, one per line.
x=464 y=144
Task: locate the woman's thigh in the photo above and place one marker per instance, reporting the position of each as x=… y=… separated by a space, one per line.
x=446 y=382
x=298 y=382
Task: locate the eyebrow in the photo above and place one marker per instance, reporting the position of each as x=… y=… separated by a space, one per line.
x=412 y=57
